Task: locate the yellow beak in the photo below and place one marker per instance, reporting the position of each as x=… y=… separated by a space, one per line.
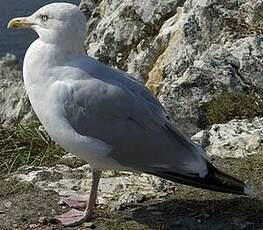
x=18 y=23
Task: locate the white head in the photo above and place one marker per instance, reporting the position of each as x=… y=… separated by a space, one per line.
x=54 y=22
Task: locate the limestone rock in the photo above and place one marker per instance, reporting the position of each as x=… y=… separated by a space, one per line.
x=237 y=138
x=188 y=52
x=14 y=103
x=64 y=180
x=120 y=31
x=205 y=61
x=10 y=68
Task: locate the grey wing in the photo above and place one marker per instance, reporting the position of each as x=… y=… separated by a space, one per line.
x=118 y=78
x=104 y=102
x=135 y=127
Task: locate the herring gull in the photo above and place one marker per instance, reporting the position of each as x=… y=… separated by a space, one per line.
x=104 y=115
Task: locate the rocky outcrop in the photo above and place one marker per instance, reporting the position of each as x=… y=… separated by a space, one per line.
x=188 y=52
x=120 y=32
x=66 y=181
x=237 y=138
x=14 y=104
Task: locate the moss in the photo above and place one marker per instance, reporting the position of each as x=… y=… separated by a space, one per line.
x=231 y=106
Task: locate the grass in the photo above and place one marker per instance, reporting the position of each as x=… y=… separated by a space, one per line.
x=231 y=106
x=26 y=145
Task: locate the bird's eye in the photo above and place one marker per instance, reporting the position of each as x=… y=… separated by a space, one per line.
x=44 y=17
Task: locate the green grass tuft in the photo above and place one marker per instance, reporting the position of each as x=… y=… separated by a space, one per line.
x=26 y=145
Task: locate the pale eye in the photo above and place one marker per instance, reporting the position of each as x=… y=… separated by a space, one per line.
x=44 y=17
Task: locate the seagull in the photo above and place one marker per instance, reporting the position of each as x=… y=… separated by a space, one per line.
x=103 y=115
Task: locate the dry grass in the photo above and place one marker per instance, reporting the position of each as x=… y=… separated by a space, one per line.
x=26 y=145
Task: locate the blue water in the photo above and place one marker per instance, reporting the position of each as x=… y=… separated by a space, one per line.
x=17 y=41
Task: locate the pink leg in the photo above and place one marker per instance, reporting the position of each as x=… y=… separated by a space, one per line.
x=75 y=217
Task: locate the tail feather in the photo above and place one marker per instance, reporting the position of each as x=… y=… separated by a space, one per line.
x=215 y=180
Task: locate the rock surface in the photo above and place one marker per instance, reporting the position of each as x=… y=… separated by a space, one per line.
x=14 y=104
x=115 y=190
x=188 y=52
x=237 y=138
x=9 y=68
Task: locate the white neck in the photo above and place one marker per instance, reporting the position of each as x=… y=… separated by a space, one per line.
x=42 y=56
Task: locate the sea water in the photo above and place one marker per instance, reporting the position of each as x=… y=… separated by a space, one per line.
x=17 y=42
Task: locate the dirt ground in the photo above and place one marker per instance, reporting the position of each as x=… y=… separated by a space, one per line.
x=23 y=206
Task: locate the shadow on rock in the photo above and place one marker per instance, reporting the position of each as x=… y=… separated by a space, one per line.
x=235 y=213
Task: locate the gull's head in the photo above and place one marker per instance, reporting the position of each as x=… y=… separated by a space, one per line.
x=55 y=22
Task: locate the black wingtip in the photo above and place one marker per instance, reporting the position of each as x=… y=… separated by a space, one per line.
x=223 y=182
x=215 y=180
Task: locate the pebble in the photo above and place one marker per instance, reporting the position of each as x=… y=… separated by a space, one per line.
x=33 y=226
x=42 y=220
x=8 y=204
x=89 y=225
x=61 y=202
x=76 y=187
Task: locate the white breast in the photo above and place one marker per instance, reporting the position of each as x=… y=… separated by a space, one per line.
x=47 y=94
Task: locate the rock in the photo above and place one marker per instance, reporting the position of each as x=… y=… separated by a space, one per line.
x=7 y=204
x=32 y=226
x=10 y=68
x=201 y=138
x=252 y=10
x=14 y=103
x=131 y=188
x=43 y=220
x=71 y=160
x=89 y=225
x=237 y=138
x=119 y=32
x=188 y=52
